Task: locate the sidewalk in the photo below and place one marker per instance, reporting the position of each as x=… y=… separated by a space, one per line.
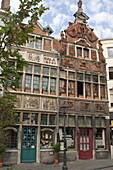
x=104 y=164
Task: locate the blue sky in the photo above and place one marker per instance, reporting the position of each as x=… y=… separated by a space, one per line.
x=61 y=12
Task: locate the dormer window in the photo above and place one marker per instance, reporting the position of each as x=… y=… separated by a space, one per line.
x=35 y=42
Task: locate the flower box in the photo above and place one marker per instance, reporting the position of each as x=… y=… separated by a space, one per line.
x=79 y=56
x=36 y=91
x=63 y=94
x=86 y=58
x=81 y=96
x=52 y=93
x=45 y=92
x=96 y=98
x=27 y=90
x=88 y=97
x=18 y=89
x=71 y=95
x=104 y=98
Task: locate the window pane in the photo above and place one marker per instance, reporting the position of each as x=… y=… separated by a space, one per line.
x=110 y=52
x=95 y=90
x=95 y=78
x=71 y=88
x=71 y=120
x=45 y=70
x=102 y=80
x=97 y=121
x=34 y=118
x=79 y=51
x=26 y=118
x=11 y=138
x=81 y=121
x=37 y=69
x=52 y=85
x=36 y=83
x=28 y=81
x=88 y=77
x=103 y=123
x=53 y=72
x=80 y=76
x=87 y=89
x=61 y=120
x=38 y=43
x=51 y=119
x=63 y=74
x=45 y=84
x=19 y=81
x=110 y=75
x=29 y=69
x=102 y=91
x=71 y=75
x=44 y=119
x=62 y=87
x=31 y=42
x=86 y=53
x=88 y=121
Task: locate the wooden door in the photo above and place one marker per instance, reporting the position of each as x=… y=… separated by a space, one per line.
x=85 y=143
x=28 y=150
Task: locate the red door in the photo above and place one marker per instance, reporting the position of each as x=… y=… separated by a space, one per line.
x=85 y=143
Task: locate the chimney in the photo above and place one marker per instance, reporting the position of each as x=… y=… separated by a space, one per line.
x=5 y=4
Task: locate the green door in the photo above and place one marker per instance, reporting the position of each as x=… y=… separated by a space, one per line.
x=28 y=150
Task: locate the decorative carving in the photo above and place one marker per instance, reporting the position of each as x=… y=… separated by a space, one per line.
x=62 y=35
x=97 y=67
x=82 y=42
x=93 y=55
x=72 y=50
x=68 y=62
x=32 y=102
x=83 y=65
x=99 y=107
x=49 y=104
x=91 y=36
x=33 y=57
x=100 y=52
x=85 y=106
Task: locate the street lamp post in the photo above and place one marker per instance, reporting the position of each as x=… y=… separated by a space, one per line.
x=64 y=108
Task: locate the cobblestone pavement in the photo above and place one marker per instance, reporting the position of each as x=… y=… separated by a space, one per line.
x=77 y=165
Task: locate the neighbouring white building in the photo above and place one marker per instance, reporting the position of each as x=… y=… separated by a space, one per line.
x=108 y=53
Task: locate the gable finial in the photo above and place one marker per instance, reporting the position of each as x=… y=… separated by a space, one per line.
x=80 y=4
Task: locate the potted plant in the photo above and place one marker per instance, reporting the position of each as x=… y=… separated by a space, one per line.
x=2 y=150
x=56 y=148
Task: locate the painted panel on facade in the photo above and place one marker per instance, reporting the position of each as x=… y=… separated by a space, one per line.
x=49 y=104
x=32 y=102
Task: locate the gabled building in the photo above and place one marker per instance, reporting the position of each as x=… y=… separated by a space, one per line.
x=82 y=84
x=70 y=70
